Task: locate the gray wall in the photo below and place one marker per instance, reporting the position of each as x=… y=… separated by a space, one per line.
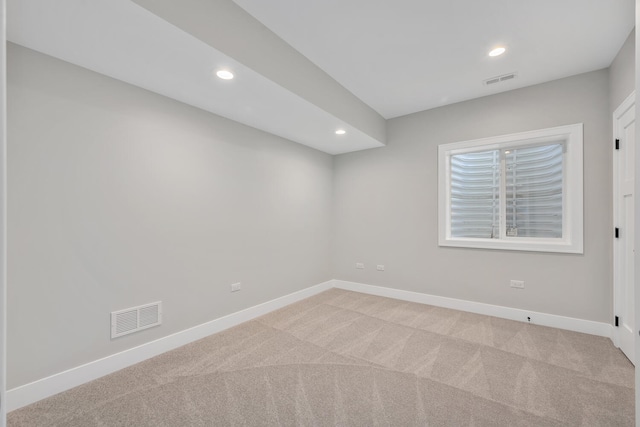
x=120 y=197
x=385 y=205
x=622 y=73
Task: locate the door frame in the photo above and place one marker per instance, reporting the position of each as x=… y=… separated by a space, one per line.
x=3 y=214
x=628 y=103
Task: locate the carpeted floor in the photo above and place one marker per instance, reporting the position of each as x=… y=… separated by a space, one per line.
x=344 y=358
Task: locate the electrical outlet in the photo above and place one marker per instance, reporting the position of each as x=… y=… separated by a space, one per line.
x=235 y=287
x=518 y=284
x=359 y=266
x=380 y=267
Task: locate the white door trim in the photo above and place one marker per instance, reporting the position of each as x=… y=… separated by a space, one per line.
x=3 y=214
x=624 y=107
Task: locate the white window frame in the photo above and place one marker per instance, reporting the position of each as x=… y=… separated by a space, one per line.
x=572 y=209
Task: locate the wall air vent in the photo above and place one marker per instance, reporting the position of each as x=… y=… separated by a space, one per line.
x=500 y=79
x=135 y=319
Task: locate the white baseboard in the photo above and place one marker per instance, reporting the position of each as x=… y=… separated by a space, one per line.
x=43 y=388
x=543 y=319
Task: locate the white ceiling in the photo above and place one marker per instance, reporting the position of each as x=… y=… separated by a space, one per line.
x=398 y=57
x=122 y=40
x=404 y=56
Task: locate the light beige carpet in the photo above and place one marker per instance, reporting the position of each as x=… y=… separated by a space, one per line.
x=344 y=358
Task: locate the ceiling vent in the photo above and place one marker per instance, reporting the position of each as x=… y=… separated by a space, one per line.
x=135 y=319
x=500 y=79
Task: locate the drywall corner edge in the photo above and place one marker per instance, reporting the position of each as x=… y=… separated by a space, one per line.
x=537 y=318
x=54 y=384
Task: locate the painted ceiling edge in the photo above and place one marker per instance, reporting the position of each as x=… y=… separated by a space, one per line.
x=228 y=28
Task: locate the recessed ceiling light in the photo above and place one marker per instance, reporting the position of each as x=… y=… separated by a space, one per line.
x=341 y=132
x=224 y=74
x=497 y=51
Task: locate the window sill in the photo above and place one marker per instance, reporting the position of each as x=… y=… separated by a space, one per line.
x=516 y=244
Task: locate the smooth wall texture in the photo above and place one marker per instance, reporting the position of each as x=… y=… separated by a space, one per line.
x=385 y=206
x=120 y=197
x=622 y=73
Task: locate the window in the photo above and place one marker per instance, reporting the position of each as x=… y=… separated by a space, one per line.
x=519 y=192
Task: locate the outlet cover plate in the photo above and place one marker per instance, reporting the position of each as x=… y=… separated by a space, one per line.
x=518 y=284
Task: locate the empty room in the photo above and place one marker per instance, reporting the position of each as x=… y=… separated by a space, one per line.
x=318 y=213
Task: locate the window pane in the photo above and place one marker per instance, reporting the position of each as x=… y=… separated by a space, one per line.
x=475 y=194
x=534 y=191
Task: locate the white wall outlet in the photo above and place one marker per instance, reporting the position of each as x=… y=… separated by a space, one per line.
x=359 y=265
x=519 y=284
x=380 y=267
x=235 y=287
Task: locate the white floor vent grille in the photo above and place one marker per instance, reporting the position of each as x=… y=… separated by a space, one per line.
x=135 y=319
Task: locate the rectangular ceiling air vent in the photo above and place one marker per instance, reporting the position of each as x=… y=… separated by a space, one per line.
x=499 y=79
x=135 y=319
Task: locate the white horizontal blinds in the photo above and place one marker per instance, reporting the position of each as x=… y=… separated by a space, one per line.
x=475 y=194
x=533 y=193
